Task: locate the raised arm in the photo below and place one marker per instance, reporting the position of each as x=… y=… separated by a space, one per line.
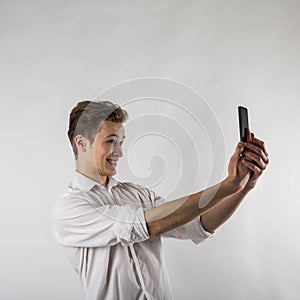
x=216 y=204
x=183 y=210
x=256 y=159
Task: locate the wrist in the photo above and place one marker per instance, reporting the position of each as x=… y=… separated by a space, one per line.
x=249 y=187
x=232 y=184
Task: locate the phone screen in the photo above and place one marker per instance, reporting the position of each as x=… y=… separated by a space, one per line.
x=243 y=122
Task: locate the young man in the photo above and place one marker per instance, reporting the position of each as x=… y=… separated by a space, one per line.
x=111 y=231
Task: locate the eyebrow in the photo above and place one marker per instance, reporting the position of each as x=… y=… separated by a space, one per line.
x=114 y=134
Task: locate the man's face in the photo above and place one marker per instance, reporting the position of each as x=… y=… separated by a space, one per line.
x=108 y=147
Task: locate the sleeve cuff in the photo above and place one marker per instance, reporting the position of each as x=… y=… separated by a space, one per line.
x=202 y=233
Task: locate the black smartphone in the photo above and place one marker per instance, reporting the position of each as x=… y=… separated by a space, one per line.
x=243 y=122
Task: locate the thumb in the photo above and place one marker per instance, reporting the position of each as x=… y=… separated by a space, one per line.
x=235 y=157
x=239 y=149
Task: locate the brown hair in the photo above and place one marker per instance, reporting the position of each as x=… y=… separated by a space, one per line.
x=87 y=116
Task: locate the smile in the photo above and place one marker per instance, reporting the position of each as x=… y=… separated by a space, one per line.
x=112 y=162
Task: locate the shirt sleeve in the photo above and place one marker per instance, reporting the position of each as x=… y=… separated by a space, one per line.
x=193 y=230
x=80 y=224
x=190 y=231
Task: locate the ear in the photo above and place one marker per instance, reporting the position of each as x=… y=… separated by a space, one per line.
x=81 y=142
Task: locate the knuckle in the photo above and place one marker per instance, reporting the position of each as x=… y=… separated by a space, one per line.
x=260 y=152
x=259 y=172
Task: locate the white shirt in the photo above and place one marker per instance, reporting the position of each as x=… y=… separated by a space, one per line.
x=103 y=232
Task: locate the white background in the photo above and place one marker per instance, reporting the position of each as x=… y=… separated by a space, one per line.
x=56 y=53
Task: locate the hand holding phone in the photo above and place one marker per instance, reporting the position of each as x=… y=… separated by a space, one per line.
x=254 y=160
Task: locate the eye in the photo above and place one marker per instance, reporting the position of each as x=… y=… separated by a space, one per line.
x=114 y=142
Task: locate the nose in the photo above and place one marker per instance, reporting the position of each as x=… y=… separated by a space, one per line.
x=118 y=151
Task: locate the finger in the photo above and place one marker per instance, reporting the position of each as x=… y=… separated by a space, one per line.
x=258 y=151
x=256 y=170
x=237 y=152
x=239 y=149
x=261 y=144
x=234 y=159
x=248 y=135
x=258 y=160
x=251 y=136
x=257 y=146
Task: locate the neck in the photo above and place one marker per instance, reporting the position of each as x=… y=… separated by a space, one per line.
x=92 y=173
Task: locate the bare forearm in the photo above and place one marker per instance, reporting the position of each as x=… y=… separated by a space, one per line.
x=183 y=210
x=255 y=158
x=221 y=212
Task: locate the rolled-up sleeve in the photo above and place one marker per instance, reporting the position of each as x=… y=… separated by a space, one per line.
x=193 y=230
x=78 y=223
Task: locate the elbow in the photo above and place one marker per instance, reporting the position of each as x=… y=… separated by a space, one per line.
x=154 y=229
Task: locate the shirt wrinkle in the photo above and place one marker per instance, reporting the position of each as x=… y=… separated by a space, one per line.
x=99 y=227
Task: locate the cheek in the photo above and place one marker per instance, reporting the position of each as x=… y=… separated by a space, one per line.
x=103 y=150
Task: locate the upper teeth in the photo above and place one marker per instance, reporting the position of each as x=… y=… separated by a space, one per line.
x=112 y=161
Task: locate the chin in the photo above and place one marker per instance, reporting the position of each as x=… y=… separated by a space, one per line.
x=107 y=172
x=111 y=173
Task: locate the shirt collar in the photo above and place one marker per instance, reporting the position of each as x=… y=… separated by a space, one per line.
x=86 y=184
